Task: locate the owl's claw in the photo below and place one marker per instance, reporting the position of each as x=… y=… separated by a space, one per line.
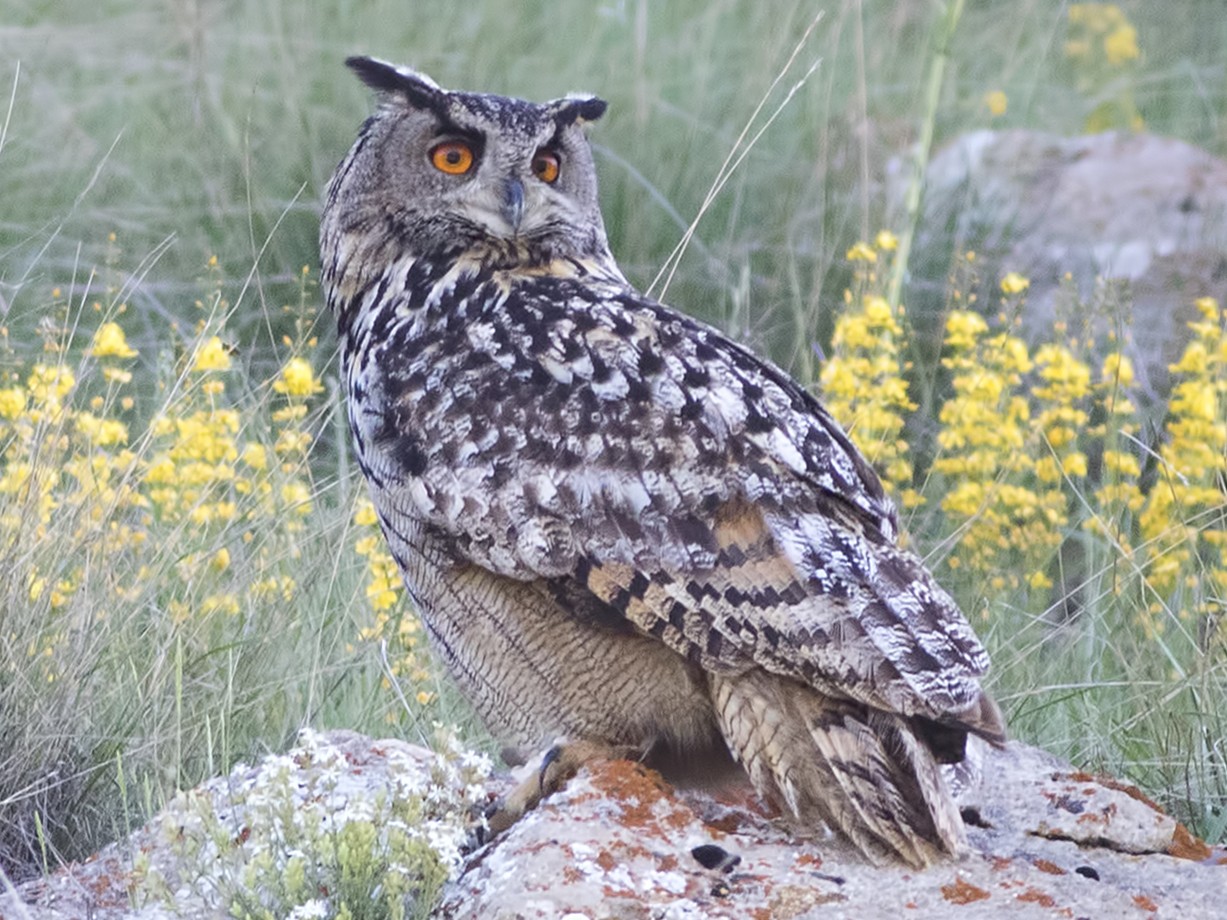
x=547 y=760
x=558 y=765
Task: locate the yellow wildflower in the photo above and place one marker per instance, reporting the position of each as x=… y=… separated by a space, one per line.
x=886 y=241
x=963 y=328
x=297 y=496
x=997 y=102
x=212 y=356
x=255 y=457
x=220 y=603
x=49 y=383
x=298 y=379
x=104 y=432
x=861 y=252
x=364 y=515
x=1207 y=307
x=1121 y=45
x=12 y=402
x=1118 y=370
x=292 y=413
x=1014 y=283
x=110 y=342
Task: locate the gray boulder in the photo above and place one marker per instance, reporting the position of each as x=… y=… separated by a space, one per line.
x=1147 y=213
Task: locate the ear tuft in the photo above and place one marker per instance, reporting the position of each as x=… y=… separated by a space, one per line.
x=577 y=109
x=415 y=88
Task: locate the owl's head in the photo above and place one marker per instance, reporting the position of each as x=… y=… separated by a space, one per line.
x=446 y=173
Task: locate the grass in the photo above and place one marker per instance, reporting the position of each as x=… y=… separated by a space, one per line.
x=141 y=140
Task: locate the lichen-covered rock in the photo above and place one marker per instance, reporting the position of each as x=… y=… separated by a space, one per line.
x=618 y=842
x=1046 y=841
x=338 y=822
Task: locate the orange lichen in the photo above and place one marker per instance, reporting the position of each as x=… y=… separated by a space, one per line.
x=1035 y=896
x=1145 y=903
x=1045 y=865
x=637 y=790
x=1108 y=782
x=963 y=892
x=1185 y=846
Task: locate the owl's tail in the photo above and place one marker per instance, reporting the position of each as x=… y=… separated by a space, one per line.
x=862 y=771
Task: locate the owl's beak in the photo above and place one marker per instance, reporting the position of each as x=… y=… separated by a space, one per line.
x=513 y=203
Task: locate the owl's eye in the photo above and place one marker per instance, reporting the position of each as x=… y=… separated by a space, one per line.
x=452 y=157
x=545 y=166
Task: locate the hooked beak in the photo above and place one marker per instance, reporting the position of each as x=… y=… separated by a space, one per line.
x=513 y=203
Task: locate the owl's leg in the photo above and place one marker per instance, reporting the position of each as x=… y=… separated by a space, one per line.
x=558 y=765
x=863 y=772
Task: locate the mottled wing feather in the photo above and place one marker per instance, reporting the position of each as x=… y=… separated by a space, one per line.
x=753 y=606
x=567 y=427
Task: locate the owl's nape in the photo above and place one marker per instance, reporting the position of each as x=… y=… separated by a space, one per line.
x=618 y=526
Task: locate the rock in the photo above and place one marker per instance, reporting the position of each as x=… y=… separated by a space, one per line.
x=338 y=816
x=1045 y=841
x=618 y=842
x=1147 y=210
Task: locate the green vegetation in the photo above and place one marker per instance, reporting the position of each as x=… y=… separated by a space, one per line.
x=187 y=572
x=303 y=836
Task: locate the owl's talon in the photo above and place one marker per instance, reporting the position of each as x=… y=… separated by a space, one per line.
x=558 y=765
x=547 y=760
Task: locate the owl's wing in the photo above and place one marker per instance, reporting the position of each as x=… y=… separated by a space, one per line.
x=614 y=446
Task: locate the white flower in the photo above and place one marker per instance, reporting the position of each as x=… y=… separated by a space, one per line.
x=316 y=909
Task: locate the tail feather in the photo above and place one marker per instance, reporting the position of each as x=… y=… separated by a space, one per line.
x=862 y=771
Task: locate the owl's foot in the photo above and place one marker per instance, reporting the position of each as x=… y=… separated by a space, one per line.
x=558 y=765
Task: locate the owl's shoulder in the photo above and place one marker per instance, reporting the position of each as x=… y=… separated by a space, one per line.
x=540 y=374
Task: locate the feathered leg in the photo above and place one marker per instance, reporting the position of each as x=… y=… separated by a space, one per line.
x=862 y=771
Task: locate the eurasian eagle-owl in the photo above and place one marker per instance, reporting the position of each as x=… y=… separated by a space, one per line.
x=617 y=525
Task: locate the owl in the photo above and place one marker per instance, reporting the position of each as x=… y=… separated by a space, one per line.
x=620 y=528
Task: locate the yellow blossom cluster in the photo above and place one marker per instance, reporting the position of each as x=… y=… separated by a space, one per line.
x=1009 y=523
x=863 y=382
x=1184 y=521
x=1100 y=43
x=1015 y=443
x=196 y=514
x=400 y=629
x=1101 y=28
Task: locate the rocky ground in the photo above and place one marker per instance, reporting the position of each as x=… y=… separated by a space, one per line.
x=617 y=842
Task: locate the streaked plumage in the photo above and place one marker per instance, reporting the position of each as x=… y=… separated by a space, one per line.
x=616 y=523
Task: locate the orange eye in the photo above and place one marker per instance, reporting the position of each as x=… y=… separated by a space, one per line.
x=545 y=166
x=452 y=157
